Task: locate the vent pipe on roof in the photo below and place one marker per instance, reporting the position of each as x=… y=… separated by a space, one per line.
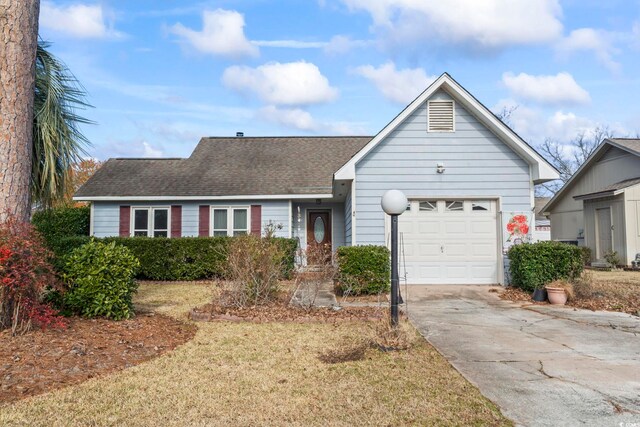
x=239 y=134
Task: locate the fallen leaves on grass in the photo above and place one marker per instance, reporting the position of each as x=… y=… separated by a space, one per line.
x=281 y=312
x=596 y=291
x=43 y=360
x=249 y=374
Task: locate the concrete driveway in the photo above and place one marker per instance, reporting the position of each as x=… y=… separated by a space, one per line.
x=543 y=365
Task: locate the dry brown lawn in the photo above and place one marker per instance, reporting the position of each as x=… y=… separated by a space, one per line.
x=609 y=290
x=247 y=374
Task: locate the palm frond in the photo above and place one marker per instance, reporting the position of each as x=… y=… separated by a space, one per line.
x=58 y=142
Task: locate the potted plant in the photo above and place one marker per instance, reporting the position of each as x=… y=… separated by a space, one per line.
x=559 y=292
x=539 y=294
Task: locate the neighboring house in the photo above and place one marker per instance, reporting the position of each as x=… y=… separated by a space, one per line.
x=599 y=206
x=542 y=229
x=469 y=179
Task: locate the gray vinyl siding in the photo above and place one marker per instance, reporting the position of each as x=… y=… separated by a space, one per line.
x=106 y=215
x=476 y=162
x=347 y=220
x=567 y=215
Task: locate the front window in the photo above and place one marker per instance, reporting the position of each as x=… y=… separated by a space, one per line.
x=230 y=221
x=240 y=221
x=220 y=222
x=160 y=222
x=150 y=222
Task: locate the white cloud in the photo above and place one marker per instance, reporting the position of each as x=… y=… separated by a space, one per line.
x=400 y=86
x=150 y=151
x=222 y=34
x=297 y=118
x=599 y=42
x=289 y=117
x=487 y=24
x=339 y=45
x=564 y=126
x=292 y=83
x=290 y=44
x=560 y=89
x=77 y=20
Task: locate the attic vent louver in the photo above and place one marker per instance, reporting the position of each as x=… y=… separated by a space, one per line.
x=440 y=116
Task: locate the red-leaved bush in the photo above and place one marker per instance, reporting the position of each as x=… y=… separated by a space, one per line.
x=25 y=276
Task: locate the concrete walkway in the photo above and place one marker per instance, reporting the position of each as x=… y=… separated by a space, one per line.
x=543 y=365
x=314 y=293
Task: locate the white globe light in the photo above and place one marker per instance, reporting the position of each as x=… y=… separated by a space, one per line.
x=394 y=202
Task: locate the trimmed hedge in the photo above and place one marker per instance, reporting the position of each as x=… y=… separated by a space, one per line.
x=57 y=223
x=186 y=258
x=534 y=265
x=363 y=269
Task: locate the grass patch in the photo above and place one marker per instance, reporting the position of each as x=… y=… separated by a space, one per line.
x=264 y=374
x=608 y=290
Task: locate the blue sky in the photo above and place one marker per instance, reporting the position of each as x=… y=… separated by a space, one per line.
x=162 y=74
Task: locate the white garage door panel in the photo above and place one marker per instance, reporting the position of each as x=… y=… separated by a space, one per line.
x=454 y=247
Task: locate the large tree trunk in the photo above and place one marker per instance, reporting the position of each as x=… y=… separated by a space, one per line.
x=18 y=42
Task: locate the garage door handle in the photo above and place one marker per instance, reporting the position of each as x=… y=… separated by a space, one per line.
x=441 y=249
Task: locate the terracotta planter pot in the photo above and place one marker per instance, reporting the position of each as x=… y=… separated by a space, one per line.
x=557 y=296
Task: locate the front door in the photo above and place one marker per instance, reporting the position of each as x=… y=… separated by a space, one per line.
x=319 y=237
x=603 y=232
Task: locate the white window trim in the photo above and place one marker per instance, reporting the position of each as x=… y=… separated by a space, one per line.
x=229 y=210
x=150 y=217
x=453 y=118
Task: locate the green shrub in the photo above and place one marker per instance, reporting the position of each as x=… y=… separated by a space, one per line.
x=63 y=246
x=534 y=265
x=101 y=280
x=58 y=223
x=363 y=269
x=586 y=254
x=289 y=247
x=612 y=258
x=186 y=258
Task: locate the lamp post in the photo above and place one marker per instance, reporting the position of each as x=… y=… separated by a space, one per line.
x=394 y=203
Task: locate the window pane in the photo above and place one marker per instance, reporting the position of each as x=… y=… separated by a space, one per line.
x=481 y=205
x=429 y=206
x=239 y=232
x=220 y=233
x=220 y=220
x=239 y=219
x=160 y=233
x=160 y=219
x=140 y=233
x=141 y=220
x=454 y=205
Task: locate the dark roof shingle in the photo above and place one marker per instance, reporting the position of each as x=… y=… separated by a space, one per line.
x=231 y=166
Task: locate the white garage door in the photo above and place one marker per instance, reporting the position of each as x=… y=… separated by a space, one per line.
x=449 y=242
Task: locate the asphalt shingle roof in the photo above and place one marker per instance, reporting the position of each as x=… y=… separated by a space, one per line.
x=231 y=166
x=632 y=144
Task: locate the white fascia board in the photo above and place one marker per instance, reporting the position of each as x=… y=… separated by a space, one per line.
x=170 y=198
x=542 y=170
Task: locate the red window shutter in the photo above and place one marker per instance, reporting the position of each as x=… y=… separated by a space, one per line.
x=125 y=221
x=176 y=221
x=203 y=229
x=256 y=219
